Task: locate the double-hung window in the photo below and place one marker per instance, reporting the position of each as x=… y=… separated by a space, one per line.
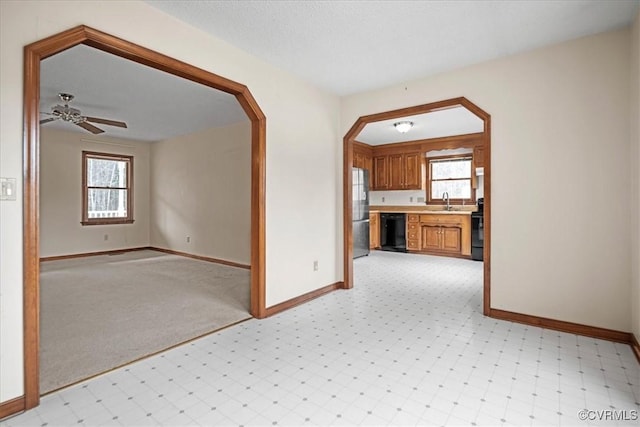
x=451 y=175
x=107 y=185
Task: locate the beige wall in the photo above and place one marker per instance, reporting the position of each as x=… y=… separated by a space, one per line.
x=303 y=150
x=201 y=188
x=635 y=168
x=61 y=195
x=560 y=173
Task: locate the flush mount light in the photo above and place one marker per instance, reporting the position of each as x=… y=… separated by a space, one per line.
x=403 y=127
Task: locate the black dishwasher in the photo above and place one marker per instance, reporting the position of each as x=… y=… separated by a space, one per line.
x=393 y=232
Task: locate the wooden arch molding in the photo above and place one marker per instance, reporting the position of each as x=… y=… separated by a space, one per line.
x=347 y=189
x=42 y=49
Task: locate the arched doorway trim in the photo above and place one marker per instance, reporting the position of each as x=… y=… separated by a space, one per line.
x=49 y=46
x=350 y=137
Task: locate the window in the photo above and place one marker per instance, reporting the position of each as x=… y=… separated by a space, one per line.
x=451 y=174
x=107 y=188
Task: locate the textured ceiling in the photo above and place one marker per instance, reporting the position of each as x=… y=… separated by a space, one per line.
x=353 y=46
x=342 y=46
x=154 y=104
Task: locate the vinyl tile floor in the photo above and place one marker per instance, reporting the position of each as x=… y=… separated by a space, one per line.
x=408 y=345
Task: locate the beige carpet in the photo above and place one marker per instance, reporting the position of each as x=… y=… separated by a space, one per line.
x=104 y=311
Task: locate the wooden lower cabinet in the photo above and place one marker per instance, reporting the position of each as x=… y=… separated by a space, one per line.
x=447 y=239
x=374 y=230
x=413 y=232
x=430 y=237
x=444 y=234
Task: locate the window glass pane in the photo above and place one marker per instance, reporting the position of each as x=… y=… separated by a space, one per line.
x=451 y=169
x=106 y=173
x=107 y=203
x=459 y=189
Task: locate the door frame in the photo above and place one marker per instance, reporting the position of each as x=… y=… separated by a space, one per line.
x=350 y=137
x=33 y=54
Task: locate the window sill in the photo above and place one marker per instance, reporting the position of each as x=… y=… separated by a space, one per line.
x=107 y=222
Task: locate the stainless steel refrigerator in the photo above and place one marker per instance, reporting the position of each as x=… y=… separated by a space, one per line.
x=360 y=209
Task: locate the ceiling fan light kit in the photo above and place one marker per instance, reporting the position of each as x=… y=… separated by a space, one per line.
x=73 y=115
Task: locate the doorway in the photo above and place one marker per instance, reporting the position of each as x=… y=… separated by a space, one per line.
x=42 y=49
x=348 y=163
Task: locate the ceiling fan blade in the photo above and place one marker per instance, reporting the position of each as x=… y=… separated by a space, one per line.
x=91 y=128
x=106 y=122
x=43 y=121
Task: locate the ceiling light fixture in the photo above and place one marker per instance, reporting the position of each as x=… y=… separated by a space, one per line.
x=403 y=127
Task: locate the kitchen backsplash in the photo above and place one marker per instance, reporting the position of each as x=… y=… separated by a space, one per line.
x=409 y=197
x=397 y=198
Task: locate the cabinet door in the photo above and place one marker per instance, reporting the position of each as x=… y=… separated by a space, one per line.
x=396 y=172
x=412 y=171
x=451 y=239
x=430 y=237
x=380 y=173
x=357 y=160
x=368 y=165
x=374 y=230
x=478 y=157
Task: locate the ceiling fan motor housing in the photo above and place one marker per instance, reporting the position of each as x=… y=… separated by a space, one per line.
x=68 y=114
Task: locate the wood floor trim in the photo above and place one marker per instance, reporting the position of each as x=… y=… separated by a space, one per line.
x=635 y=346
x=286 y=305
x=12 y=407
x=201 y=258
x=87 y=254
x=561 y=325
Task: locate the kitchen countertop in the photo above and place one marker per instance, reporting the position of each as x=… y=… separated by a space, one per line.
x=422 y=210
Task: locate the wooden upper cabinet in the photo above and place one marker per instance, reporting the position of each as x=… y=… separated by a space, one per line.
x=362 y=158
x=413 y=171
x=396 y=172
x=405 y=172
x=367 y=164
x=478 y=156
x=389 y=169
x=380 y=173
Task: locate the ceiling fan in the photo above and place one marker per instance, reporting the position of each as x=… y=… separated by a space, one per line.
x=73 y=115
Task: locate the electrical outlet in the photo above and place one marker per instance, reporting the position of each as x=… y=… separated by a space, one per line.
x=315 y=265
x=420 y=199
x=411 y=199
x=382 y=199
x=188 y=239
x=106 y=237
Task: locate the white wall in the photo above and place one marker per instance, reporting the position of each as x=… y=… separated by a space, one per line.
x=61 y=195
x=635 y=168
x=303 y=146
x=560 y=173
x=201 y=188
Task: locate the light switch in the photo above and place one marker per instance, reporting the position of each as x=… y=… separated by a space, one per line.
x=8 y=189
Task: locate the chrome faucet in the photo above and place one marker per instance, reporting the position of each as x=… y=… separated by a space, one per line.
x=445 y=198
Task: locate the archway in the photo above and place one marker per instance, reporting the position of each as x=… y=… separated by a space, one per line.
x=42 y=49
x=348 y=140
